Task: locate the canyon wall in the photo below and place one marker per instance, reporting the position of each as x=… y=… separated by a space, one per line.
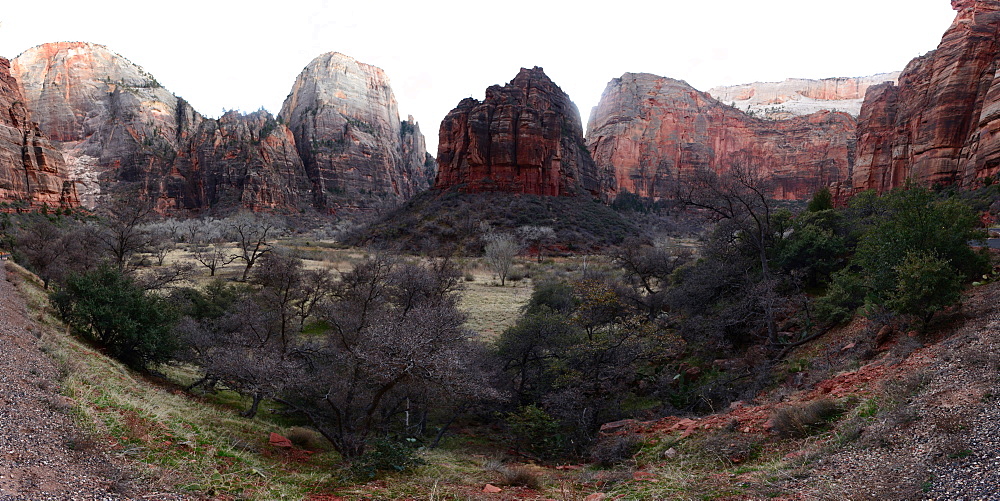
x=118 y=127
x=524 y=137
x=32 y=169
x=800 y=96
x=346 y=125
x=941 y=123
x=651 y=131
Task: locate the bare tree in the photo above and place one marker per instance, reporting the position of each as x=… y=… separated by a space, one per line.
x=213 y=257
x=537 y=237
x=500 y=251
x=123 y=230
x=742 y=196
x=253 y=233
x=386 y=347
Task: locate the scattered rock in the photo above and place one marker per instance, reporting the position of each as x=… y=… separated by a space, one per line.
x=492 y=489
x=279 y=441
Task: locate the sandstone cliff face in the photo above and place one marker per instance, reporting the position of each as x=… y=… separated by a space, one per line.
x=237 y=161
x=651 y=131
x=113 y=120
x=346 y=124
x=800 y=96
x=117 y=125
x=32 y=170
x=941 y=123
x=525 y=137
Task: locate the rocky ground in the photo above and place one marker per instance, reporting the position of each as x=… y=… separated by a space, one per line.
x=43 y=454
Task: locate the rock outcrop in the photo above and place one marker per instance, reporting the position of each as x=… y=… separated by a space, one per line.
x=524 y=137
x=941 y=123
x=800 y=96
x=651 y=131
x=346 y=124
x=32 y=170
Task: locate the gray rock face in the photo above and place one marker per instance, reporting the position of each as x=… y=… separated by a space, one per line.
x=346 y=124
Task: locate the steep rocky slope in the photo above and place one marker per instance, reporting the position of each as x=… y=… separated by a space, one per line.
x=800 y=96
x=32 y=170
x=346 y=124
x=524 y=137
x=941 y=123
x=651 y=130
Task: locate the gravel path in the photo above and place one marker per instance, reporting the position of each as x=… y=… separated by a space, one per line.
x=43 y=455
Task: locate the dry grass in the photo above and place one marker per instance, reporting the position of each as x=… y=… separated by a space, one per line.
x=491 y=308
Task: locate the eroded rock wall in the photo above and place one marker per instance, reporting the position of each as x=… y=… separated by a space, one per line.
x=32 y=170
x=652 y=131
x=524 y=137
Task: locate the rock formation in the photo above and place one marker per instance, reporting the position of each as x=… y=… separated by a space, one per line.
x=112 y=119
x=652 y=130
x=117 y=125
x=800 y=96
x=346 y=124
x=525 y=137
x=237 y=161
x=941 y=123
x=32 y=170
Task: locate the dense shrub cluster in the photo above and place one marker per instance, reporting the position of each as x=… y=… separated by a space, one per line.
x=436 y=221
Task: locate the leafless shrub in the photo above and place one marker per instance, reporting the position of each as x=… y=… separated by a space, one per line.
x=800 y=420
x=520 y=476
x=613 y=450
x=306 y=438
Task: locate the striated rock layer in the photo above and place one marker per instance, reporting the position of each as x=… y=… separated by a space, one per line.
x=346 y=124
x=800 y=96
x=941 y=123
x=32 y=170
x=117 y=125
x=651 y=131
x=524 y=137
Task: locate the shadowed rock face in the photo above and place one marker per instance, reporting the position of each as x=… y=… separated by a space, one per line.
x=525 y=137
x=346 y=124
x=32 y=170
x=941 y=123
x=651 y=131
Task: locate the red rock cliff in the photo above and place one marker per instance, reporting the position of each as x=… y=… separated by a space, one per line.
x=650 y=130
x=941 y=123
x=525 y=137
x=32 y=170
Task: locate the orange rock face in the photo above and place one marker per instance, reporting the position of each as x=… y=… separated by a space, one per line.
x=941 y=123
x=525 y=137
x=651 y=131
x=32 y=170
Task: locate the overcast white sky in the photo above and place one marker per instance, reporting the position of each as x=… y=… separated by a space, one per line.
x=224 y=54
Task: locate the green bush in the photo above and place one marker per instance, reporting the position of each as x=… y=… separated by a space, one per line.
x=132 y=324
x=383 y=455
x=536 y=432
x=926 y=285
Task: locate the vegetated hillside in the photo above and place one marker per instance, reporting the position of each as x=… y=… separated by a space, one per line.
x=450 y=221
